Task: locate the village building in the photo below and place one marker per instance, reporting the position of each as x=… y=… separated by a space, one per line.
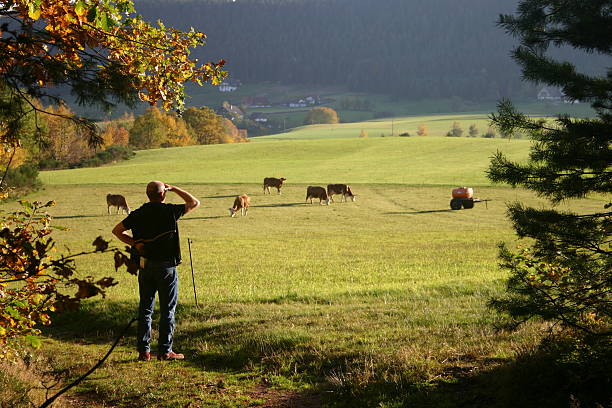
x=553 y=94
x=229 y=85
x=258 y=117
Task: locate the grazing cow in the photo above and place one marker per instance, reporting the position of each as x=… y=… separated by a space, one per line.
x=241 y=203
x=116 y=200
x=340 y=189
x=273 y=182
x=317 y=192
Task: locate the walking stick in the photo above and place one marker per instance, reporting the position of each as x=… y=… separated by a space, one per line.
x=192 y=275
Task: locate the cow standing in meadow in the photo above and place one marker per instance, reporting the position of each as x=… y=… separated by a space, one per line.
x=116 y=200
x=273 y=182
x=242 y=203
x=343 y=189
x=317 y=192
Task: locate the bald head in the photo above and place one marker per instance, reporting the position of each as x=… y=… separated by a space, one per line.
x=156 y=191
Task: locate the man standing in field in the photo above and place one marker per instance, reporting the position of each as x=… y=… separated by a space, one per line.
x=155 y=235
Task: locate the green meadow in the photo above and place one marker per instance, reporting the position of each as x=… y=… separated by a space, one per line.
x=378 y=302
x=437 y=125
x=389 y=160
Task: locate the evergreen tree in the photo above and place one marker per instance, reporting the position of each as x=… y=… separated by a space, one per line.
x=456 y=130
x=564 y=276
x=473 y=130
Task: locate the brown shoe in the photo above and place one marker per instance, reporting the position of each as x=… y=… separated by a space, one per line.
x=170 y=356
x=144 y=356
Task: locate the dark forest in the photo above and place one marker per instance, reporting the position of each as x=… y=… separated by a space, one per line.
x=413 y=49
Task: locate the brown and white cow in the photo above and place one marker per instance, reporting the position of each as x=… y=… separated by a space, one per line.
x=317 y=192
x=241 y=203
x=273 y=182
x=343 y=189
x=116 y=200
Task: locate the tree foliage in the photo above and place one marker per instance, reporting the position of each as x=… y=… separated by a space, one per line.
x=115 y=134
x=34 y=280
x=100 y=49
x=206 y=126
x=156 y=129
x=456 y=130
x=202 y=125
x=64 y=139
x=321 y=114
x=422 y=130
x=473 y=130
x=236 y=135
x=564 y=276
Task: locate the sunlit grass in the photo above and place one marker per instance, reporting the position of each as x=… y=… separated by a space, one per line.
x=412 y=161
x=378 y=294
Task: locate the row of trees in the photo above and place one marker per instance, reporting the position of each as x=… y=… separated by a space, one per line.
x=456 y=131
x=50 y=141
x=473 y=131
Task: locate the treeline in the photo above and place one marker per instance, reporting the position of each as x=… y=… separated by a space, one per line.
x=48 y=140
x=55 y=142
x=51 y=141
x=414 y=49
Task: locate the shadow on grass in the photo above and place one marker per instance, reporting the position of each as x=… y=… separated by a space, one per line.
x=95 y=322
x=223 y=196
x=535 y=380
x=66 y=217
x=278 y=205
x=202 y=218
x=228 y=340
x=417 y=212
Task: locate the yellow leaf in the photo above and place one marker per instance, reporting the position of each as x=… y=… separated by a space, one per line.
x=33 y=11
x=80 y=9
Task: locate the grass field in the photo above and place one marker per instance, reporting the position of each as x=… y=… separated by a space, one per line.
x=411 y=161
x=379 y=302
x=437 y=125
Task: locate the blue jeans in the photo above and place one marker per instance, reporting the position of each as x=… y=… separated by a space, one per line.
x=161 y=278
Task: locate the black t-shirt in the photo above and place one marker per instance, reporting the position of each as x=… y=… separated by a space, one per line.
x=155 y=224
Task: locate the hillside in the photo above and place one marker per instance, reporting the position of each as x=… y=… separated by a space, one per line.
x=414 y=49
x=389 y=160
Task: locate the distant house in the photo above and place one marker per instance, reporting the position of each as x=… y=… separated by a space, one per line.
x=312 y=100
x=301 y=103
x=229 y=85
x=552 y=94
x=258 y=117
x=305 y=101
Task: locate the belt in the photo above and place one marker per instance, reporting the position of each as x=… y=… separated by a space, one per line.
x=144 y=261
